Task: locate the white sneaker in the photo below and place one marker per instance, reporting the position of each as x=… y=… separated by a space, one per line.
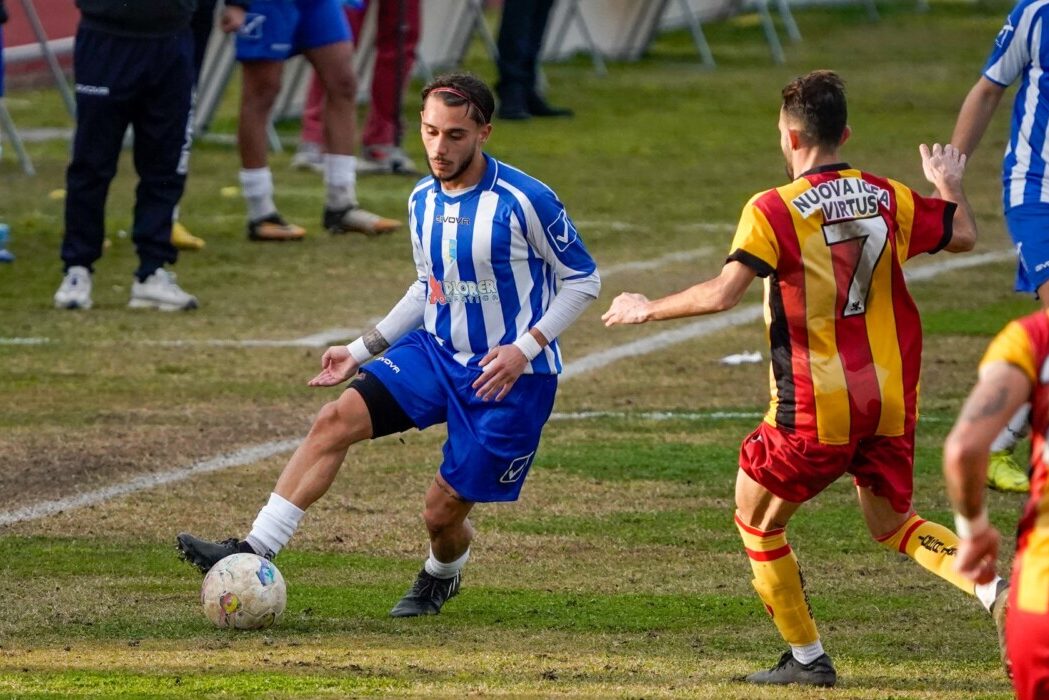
x=308 y=157
x=75 y=291
x=160 y=291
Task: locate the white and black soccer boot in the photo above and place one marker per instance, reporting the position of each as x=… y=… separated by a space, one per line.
x=427 y=595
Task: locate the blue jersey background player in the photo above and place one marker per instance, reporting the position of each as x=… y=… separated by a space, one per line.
x=500 y=273
x=268 y=33
x=1020 y=54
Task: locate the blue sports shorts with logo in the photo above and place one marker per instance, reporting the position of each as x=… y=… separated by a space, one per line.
x=491 y=444
x=275 y=30
x=1029 y=228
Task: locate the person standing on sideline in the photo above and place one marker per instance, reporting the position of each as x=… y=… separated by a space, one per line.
x=1020 y=52
x=5 y=254
x=200 y=24
x=398 y=24
x=830 y=246
x=501 y=273
x=521 y=32
x=268 y=33
x=133 y=65
x=1013 y=372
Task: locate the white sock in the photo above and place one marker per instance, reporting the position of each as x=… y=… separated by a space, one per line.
x=807 y=653
x=1013 y=431
x=257 y=186
x=443 y=570
x=340 y=175
x=987 y=592
x=275 y=524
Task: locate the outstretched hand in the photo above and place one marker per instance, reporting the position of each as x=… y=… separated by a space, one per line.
x=978 y=556
x=628 y=307
x=337 y=365
x=943 y=166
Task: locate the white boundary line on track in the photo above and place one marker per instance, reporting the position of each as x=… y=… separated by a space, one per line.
x=583 y=365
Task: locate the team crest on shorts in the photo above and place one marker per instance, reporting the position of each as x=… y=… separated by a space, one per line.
x=517 y=469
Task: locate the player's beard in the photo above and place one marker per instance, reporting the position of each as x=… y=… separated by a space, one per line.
x=458 y=171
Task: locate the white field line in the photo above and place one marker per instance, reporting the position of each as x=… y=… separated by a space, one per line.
x=656 y=263
x=583 y=365
x=317 y=340
x=248 y=455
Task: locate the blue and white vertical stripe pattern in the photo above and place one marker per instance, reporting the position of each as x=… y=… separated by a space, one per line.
x=1021 y=51
x=492 y=258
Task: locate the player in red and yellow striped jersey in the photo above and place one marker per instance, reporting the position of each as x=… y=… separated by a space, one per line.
x=845 y=341
x=1015 y=370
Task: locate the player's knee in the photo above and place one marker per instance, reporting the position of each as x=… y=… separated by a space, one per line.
x=437 y=521
x=261 y=97
x=333 y=426
x=343 y=87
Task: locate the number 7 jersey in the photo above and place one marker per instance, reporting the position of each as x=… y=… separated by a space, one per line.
x=844 y=332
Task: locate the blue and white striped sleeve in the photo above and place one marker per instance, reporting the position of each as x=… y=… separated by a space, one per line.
x=1011 y=52
x=552 y=234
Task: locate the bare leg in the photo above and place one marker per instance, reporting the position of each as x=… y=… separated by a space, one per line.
x=446 y=521
x=760 y=508
x=878 y=513
x=315 y=464
x=334 y=66
x=261 y=84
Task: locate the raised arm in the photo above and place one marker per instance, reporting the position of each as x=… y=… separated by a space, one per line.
x=974 y=116
x=944 y=167
x=718 y=294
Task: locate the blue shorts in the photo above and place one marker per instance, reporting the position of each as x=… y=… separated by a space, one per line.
x=491 y=444
x=1029 y=228
x=1 y=61
x=275 y=30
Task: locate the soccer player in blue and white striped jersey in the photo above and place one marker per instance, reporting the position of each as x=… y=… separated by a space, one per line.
x=1020 y=53
x=500 y=273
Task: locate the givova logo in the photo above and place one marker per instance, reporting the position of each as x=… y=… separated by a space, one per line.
x=460 y=291
x=562 y=232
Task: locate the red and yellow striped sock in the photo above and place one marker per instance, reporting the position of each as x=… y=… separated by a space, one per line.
x=933 y=546
x=778 y=581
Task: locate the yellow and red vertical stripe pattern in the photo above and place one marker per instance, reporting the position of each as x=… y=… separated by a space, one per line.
x=1024 y=344
x=834 y=376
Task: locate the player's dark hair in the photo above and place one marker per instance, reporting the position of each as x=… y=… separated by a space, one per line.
x=458 y=89
x=816 y=101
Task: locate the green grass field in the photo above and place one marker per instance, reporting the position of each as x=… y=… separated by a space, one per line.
x=619 y=573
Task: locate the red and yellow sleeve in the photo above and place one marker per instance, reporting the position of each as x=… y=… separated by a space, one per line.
x=925 y=223
x=755 y=243
x=1012 y=345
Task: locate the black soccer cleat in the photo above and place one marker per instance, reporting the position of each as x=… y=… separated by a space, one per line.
x=789 y=670
x=427 y=595
x=204 y=554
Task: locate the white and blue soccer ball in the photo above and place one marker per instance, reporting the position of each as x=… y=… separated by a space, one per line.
x=244 y=591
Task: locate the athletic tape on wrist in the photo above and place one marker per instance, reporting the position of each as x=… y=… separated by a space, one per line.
x=359 y=351
x=529 y=346
x=966 y=528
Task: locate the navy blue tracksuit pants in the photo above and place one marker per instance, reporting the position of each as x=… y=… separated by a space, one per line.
x=146 y=82
x=521 y=32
